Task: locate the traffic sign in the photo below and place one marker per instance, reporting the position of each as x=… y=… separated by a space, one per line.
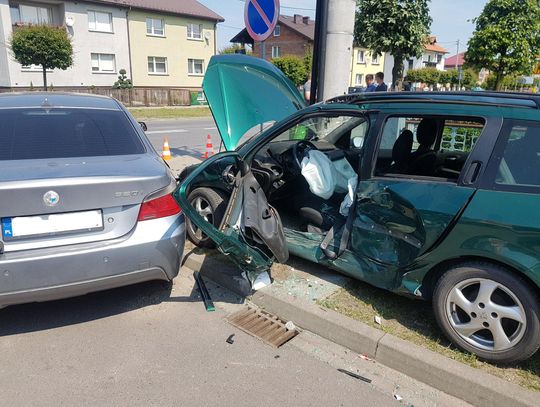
x=260 y=17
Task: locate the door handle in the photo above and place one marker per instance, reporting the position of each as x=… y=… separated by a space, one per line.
x=472 y=173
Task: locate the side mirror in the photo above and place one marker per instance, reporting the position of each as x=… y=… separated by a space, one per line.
x=143 y=126
x=242 y=166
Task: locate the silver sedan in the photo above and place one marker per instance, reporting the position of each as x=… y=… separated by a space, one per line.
x=85 y=201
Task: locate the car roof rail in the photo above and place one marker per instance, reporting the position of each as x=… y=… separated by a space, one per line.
x=514 y=99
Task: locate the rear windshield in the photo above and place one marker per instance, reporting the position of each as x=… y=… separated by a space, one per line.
x=63 y=133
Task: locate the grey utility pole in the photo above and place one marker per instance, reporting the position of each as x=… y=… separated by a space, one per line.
x=333 y=48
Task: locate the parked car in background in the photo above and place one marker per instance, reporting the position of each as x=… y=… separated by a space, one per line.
x=85 y=201
x=442 y=205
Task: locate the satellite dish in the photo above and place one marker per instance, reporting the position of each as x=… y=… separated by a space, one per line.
x=70 y=21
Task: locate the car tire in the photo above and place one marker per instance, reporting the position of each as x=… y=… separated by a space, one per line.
x=487 y=310
x=211 y=205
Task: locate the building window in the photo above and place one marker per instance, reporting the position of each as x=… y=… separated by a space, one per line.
x=155 y=26
x=374 y=59
x=32 y=68
x=411 y=63
x=30 y=14
x=157 y=65
x=276 y=52
x=360 y=57
x=194 y=31
x=358 y=79
x=439 y=58
x=277 y=31
x=196 y=66
x=103 y=63
x=100 y=21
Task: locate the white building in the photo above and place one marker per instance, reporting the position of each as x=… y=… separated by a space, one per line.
x=99 y=35
x=432 y=57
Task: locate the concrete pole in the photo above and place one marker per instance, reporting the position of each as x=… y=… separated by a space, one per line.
x=337 y=46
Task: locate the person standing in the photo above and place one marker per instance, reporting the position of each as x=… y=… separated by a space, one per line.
x=307 y=89
x=381 y=86
x=370 y=85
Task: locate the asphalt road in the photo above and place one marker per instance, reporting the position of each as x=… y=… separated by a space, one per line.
x=187 y=137
x=155 y=345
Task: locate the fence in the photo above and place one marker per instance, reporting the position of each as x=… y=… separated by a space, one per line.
x=136 y=96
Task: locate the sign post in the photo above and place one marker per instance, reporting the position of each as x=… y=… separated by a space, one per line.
x=261 y=17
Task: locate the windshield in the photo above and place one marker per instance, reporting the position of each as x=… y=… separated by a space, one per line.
x=254 y=132
x=325 y=128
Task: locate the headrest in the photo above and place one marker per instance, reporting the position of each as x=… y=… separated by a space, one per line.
x=402 y=147
x=426 y=133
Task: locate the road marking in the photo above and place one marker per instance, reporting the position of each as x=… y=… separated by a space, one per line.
x=166 y=131
x=210 y=128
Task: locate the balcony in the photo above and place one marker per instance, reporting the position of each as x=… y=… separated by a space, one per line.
x=36 y=14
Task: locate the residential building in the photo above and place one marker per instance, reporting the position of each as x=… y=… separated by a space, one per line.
x=454 y=61
x=432 y=57
x=98 y=32
x=171 y=43
x=364 y=62
x=293 y=35
x=104 y=42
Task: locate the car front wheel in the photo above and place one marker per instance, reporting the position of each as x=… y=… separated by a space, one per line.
x=210 y=205
x=486 y=310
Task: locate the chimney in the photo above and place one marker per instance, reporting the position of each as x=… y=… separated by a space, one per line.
x=305 y=20
x=297 y=18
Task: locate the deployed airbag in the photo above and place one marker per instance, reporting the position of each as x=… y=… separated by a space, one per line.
x=319 y=173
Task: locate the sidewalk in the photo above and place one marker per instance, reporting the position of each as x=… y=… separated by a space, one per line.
x=293 y=297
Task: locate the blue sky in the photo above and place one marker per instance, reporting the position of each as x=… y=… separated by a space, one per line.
x=449 y=18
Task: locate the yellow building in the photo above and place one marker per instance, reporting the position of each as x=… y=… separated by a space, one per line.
x=363 y=62
x=172 y=49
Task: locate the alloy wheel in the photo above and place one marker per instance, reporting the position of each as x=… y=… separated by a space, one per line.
x=486 y=314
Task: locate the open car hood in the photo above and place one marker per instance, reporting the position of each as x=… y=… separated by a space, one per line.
x=244 y=92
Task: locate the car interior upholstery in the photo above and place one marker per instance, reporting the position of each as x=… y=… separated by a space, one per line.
x=277 y=169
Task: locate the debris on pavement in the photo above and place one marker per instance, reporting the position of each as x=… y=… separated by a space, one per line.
x=262 y=280
x=378 y=320
x=365 y=357
x=289 y=326
x=356 y=376
x=398 y=397
x=230 y=339
x=208 y=303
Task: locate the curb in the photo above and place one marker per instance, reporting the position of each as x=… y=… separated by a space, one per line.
x=454 y=378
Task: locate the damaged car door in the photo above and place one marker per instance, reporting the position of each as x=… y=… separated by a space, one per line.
x=250 y=232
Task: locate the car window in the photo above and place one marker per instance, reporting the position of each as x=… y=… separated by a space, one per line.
x=426 y=146
x=520 y=162
x=460 y=135
x=326 y=128
x=63 y=133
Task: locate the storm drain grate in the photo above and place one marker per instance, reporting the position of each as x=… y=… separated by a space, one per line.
x=262 y=325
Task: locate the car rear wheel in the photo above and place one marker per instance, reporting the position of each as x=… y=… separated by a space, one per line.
x=211 y=206
x=486 y=310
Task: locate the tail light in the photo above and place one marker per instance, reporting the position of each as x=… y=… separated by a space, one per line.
x=155 y=207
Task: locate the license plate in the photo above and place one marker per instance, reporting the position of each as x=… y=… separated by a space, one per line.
x=53 y=224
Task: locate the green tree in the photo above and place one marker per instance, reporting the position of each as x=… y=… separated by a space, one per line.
x=293 y=67
x=42 y=45
x=397 y=27
x=506 y=39
x=232 y=49
x=123 y=81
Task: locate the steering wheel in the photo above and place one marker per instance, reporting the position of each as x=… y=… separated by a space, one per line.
x=301 y=150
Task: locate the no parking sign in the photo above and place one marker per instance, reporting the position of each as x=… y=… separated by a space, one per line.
x=260 y=17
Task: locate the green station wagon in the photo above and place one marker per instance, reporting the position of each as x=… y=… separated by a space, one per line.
x=443 y=202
